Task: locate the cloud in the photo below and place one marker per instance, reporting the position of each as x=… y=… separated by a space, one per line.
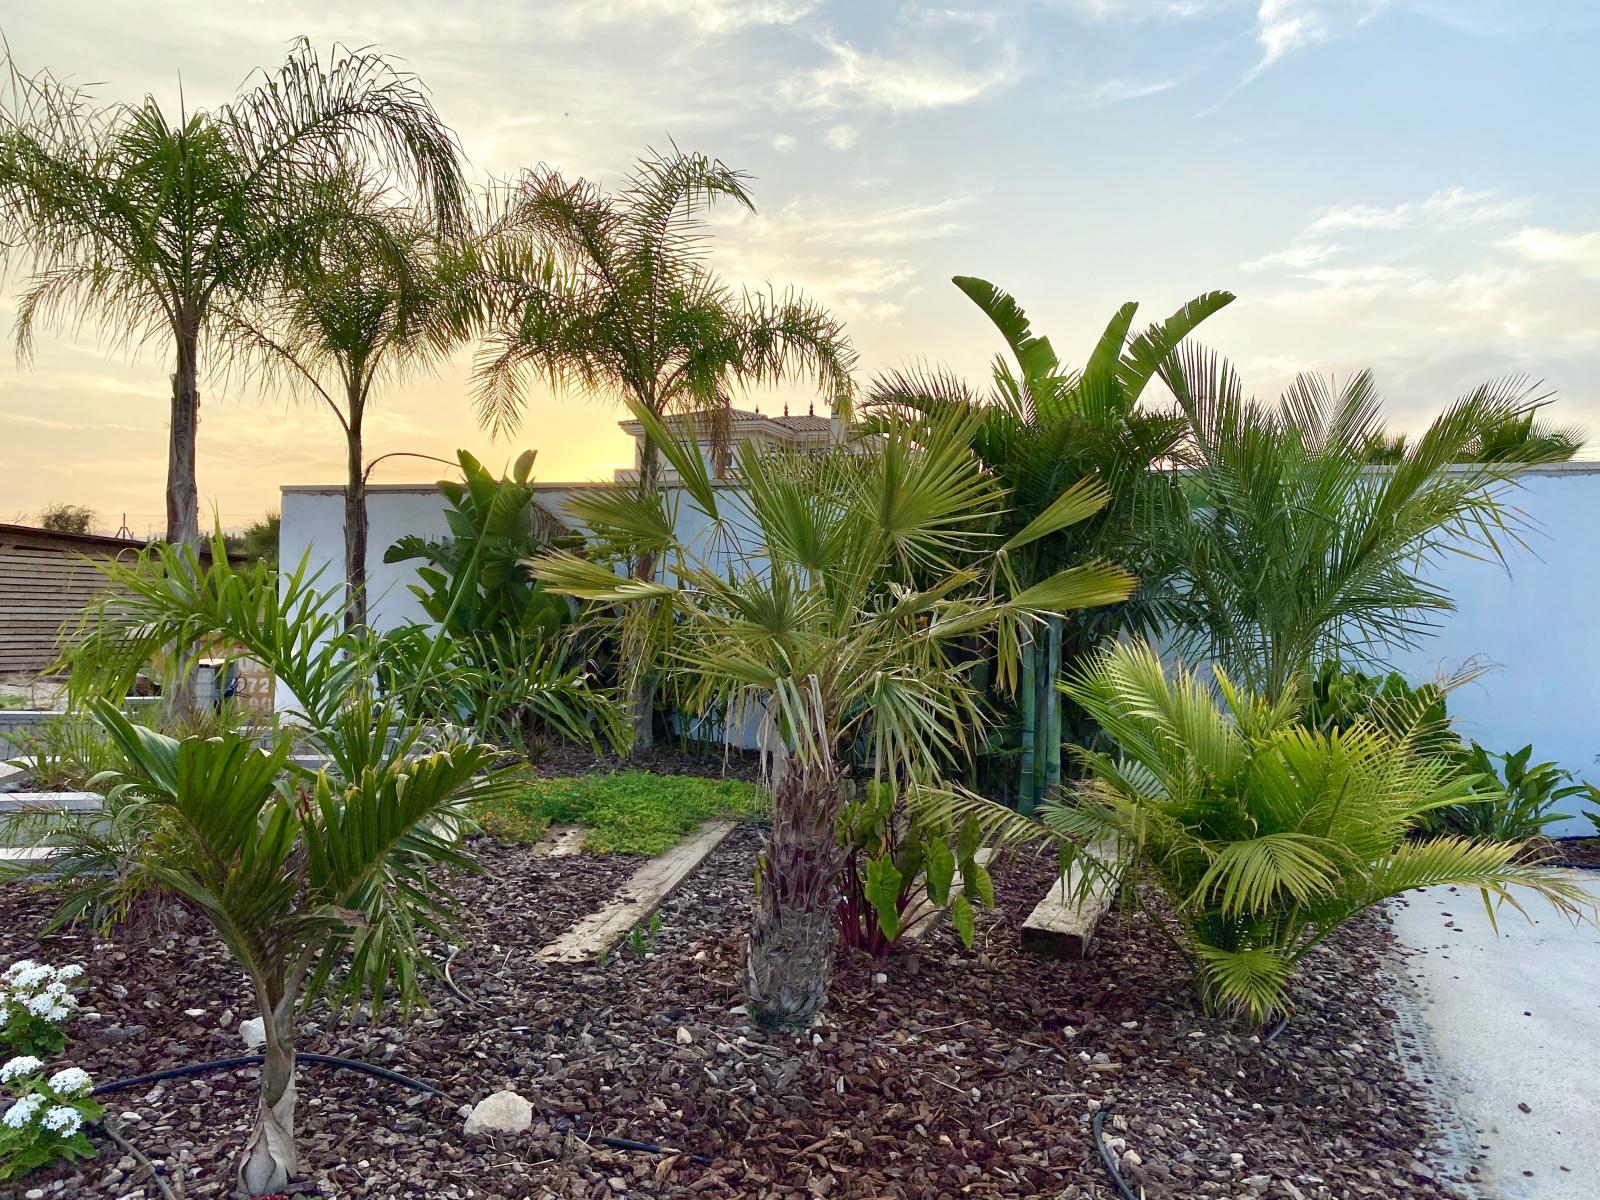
x=708 y=17
x=1285 y=26
x=1098 y=11
x=1579 y=251
x=783 y=143
x=842 y=137
x=918 y=78
x=854 y=260
x=1453 y=207
x=1118 y=91
x=1297 y=256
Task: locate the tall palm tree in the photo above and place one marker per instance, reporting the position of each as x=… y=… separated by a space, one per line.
x=382 y=297
x=611 y=295
x=1040 y=427
x=1290 y=547
x=846 y=639
x=149 y=223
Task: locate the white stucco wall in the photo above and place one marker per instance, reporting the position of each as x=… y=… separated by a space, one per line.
x=1537 y=625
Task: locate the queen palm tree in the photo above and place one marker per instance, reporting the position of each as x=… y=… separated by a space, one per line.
x=382 y=297
x=847 y=639
x=149 y=223
x=611 y=295
x=1040 y=427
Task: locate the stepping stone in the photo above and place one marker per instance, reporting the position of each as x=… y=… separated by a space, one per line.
x=561 y=841
x=1063 y=923
x=930 y=915
x=641 y=895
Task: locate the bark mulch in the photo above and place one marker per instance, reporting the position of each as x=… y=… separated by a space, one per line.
x=937 y=1073
x=1577 y=852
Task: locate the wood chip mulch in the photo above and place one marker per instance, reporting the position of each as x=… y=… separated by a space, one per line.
x=963 y=1073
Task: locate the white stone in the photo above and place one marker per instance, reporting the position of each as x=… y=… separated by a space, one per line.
x=880 y=977
x=254 y=1033
x=684 y=1036
x=499 y=1112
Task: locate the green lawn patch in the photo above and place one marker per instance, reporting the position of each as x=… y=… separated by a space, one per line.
x=629 y=812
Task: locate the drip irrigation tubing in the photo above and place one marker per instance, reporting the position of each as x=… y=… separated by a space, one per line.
x=350 y=1064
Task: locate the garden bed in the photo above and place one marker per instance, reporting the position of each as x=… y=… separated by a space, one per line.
x=1578 y=852
x=964 y=1073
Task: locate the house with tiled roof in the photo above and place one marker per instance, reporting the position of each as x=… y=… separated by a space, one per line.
x=791 y=431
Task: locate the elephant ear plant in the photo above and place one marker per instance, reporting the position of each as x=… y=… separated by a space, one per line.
x=311 y=888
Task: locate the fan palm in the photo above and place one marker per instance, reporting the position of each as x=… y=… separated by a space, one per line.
x=1287 y=547
x=150 y=223
x=1262 y=835
x=381 y=297
x=610 y=294
x=847 y=642
x=1041 y=427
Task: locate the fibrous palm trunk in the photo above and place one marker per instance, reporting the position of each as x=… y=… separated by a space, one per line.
x=355 y=529
x=642 y=701
x=794 y=938
x=270 y=1159
x=183 y=501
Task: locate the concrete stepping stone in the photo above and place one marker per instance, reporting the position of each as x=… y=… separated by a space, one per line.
x=1063 y=923
x=640 y=896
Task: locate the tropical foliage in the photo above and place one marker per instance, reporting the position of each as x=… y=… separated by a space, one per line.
x=848 y=646
x=1286 y=547
x=157 y=224
x=1516 y=799
x=1040 y=428
x=1261 y=835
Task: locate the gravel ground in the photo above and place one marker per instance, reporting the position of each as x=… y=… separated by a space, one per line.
x=963 y=1073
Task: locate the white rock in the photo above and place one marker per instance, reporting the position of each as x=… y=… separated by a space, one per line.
x=880 y=977
x=194 y=1012
x=684 y=1036
x=254 y=1033
x=1130 y=1159
x=499 y=1112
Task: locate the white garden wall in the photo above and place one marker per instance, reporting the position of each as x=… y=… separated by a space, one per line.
x=1538 y=625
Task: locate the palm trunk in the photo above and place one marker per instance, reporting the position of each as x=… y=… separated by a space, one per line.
x=183 y=498
x=642 y=701
x=270 y=1160
x=355 y=524
x=794 y=938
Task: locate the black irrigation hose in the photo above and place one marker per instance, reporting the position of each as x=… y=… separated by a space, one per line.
x=255 y=1060
x=350 y=1064
x=1098 y=1128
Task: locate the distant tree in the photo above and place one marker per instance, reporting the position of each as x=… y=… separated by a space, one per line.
x=611 y=294
x=68 y=518
x=1519 y=436
x=150 y=224
x=258 y=542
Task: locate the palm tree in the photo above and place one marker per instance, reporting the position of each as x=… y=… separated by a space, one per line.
x=381 y=298
x=151 y=224
x=833 y=641
x=1519 y=437
x=610 y=294
x=1041 y=427
x=1288 y=547
x=299 y=883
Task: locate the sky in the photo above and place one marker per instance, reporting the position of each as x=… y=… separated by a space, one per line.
x=1406 y=185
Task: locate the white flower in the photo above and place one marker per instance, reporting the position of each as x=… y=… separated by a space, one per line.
x=65 y=1121
x=31 y=975
x=18 y=967
x=69 y=972
x=59 y=1012
x=20 y=1113
x=55 y=988
x=42 y=1006
x=70 y=1081
x=23 y=1064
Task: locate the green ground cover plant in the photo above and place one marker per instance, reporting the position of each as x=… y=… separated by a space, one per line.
x=629 y=812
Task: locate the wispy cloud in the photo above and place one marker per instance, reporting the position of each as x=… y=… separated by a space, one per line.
x=1454 y=208
x=919 y=74
x=1578 y=251
x=710 y=17
x=1296 y=257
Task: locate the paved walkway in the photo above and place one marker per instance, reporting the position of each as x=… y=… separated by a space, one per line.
x=1515 y=1021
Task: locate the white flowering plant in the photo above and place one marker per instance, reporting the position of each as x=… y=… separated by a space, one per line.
x=36 y=1001
x=45 y=1121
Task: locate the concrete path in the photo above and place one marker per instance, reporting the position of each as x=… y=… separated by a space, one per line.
x=1515 y=1021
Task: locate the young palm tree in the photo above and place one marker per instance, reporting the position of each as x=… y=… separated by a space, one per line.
x=149 y=223
x=303 y=885
x=848 y=641
x=1288 y=547
x=1042 y=427
x=381 y=298
x=1262 y=835
x=610 y=294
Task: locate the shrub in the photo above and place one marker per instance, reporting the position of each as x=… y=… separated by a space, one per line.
x=629 y=812
x=45 y=1122
x=35 y=1001
x=1517 y=799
